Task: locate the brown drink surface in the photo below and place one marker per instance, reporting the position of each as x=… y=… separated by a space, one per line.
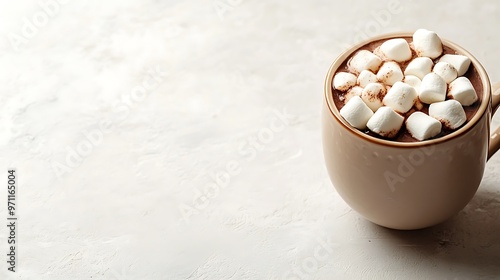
x=404 y=135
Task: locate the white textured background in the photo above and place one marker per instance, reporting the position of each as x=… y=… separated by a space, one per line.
x=138 y=203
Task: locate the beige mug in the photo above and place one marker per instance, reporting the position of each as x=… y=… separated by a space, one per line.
x=408 y=185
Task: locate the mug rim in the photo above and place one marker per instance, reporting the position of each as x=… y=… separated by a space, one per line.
x=485 y=102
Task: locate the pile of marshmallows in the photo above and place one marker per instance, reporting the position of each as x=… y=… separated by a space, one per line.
x=378 y=101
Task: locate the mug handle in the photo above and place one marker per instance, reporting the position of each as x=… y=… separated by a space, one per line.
x=495 y=137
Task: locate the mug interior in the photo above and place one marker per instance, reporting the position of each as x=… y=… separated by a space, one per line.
x=485 y=101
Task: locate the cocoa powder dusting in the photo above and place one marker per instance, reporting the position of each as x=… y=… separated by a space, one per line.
x=403 y=135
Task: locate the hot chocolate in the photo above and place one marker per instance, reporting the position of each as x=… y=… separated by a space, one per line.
x=405 y=76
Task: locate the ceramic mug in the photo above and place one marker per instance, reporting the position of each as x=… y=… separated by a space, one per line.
x=408 y=185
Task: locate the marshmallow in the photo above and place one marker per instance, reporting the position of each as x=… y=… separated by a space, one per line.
x=460 y=62
x=344 y=81
x=413 y=81
x=366 y=77
x=446 y=71
x=419 y=105
x=396 y=49
x=401 y=97
x=462 y=90
x=356 y=112
x=373 y=94
x=450 y=113
x=432 y=89
x=422 y=127
x=364 y=60
x=354 y=91
x=419 y=67
x=390 y=73
x=427 y=43
x=385 y=122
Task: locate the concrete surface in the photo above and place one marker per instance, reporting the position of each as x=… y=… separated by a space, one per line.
x=119 y=116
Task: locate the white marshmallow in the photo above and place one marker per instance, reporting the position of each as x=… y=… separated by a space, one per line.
x=373 y=94
x=366 y=77
x=390 y=73
x=354 y=91
x=356 y=112
x=427 y=43
x=401 y=97
x=460 y=62
x=419 y=67
x=422 y=127
x=396 y=49
x=385 y=122
x=413 y=81
x=446 y=71
x=462 y=90
x=364 y=60
x=450 y=113
x=344 y=81
x=432 y=89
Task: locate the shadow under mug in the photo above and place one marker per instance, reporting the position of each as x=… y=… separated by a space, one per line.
x=408 y=185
